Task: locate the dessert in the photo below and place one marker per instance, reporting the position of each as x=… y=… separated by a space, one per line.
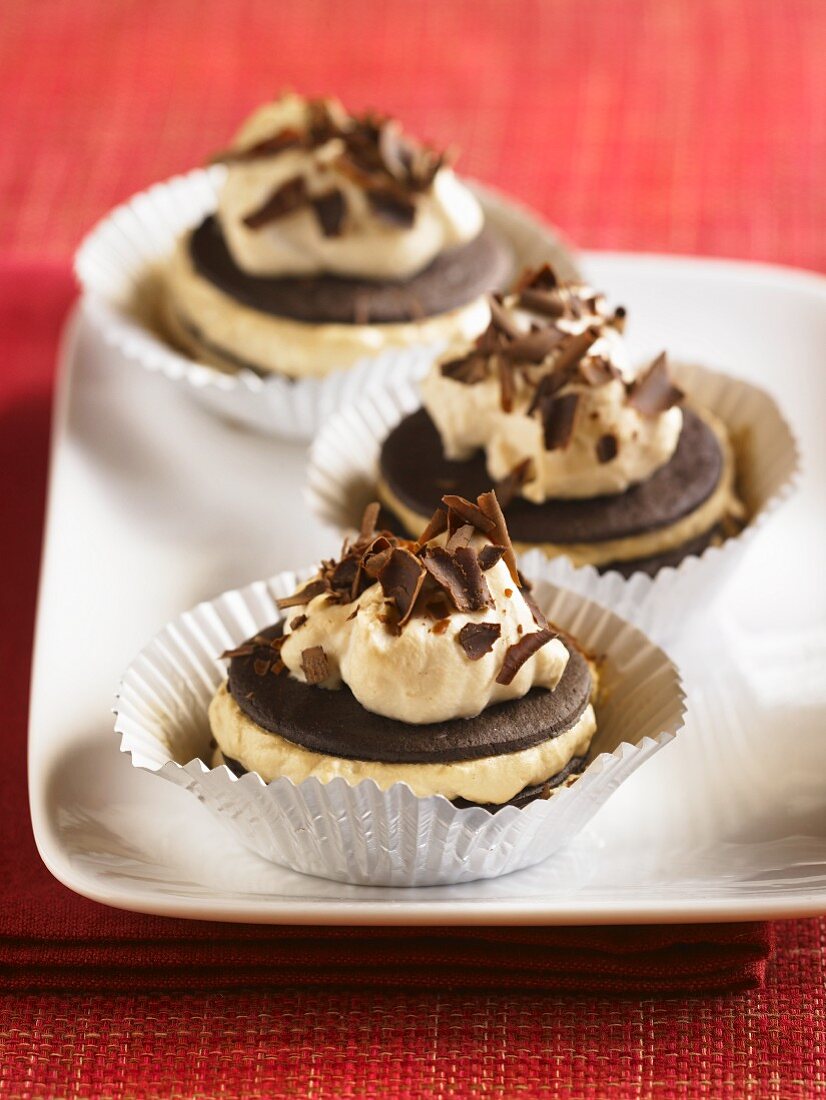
x=608 y=464
x=426 y=662
x=335 y=236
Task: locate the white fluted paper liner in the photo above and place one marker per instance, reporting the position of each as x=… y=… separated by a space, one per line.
x=343 y=471
x=361 y=834
x=115 y=262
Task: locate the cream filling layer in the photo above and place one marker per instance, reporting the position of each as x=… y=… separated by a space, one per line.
x=281 y=345
x=422 y=674
x=721 y=505
x=447 y=212
x=493 y=779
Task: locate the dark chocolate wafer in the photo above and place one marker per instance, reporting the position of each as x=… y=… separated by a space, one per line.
x=336 y=724
x=415 y=470
x=456 y=276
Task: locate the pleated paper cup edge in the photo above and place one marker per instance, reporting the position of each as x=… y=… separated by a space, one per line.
x=293 y=408
x=635 y=597
x=473 y=827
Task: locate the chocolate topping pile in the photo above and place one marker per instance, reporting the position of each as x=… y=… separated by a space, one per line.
x=390 y=168
x=418 y=579
x=547 y=359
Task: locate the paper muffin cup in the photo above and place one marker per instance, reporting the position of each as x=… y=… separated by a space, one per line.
x=117 y=266
x=343 y=472
x=362 y=834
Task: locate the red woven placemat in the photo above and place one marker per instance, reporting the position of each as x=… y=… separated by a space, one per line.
x=682 y=125
x=644 y=124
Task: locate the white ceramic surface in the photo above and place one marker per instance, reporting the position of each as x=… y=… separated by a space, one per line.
x=155 y=505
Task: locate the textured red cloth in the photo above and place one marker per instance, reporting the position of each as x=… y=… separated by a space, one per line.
x=51 y=939
x=646 y=124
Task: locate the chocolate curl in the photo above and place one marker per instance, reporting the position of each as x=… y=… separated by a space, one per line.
x=436 y=525
x=401 y=580
x=469 y=512
x=315 y=665
x=654 y=393
x=369 y=519
x=558 y=416
x=303 y=596
x=288 y=198
x=509 y=486
x=477 y=639
x=521 y=651
x=499 y=536
x=268 y=147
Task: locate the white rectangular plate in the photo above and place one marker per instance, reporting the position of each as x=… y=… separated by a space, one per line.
x=155 y=505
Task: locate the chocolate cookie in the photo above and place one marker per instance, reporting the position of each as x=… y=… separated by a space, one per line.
x=336 y=724
x=415 y=470
x=453 y=279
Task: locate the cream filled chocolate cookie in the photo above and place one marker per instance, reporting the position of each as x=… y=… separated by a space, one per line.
x=425 y=662
x=336 y=236
x=593 y=458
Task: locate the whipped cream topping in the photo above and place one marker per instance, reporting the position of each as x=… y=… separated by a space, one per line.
x=550 y=394
x=311 y=189
x=442 y=629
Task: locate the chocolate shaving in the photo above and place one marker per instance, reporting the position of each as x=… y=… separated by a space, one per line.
x=470 y=513
x=533 y=347
x=369 y=519
x=459 y=574
x=401 y=580
x=489 y=556
x=606 y=447
x=477 y=639
x=509 y=486
x=543 y=278
x=330 y=209
x=269 y=147
x=596 y=371
x=344 y=573
x=261 y=666
x=391 y=207
x=507 y=386
x=394 y=152
x=289 y=197
x=521 y=651
x=549 y=385
x=489 y=505
x=654 y=393
x=575 y=347
x=309 y=592
x=476 y=587
x=536 y=611
x=374 y=564
x=501 y=319
x=558 y=417
x=468 y=370
x=436 y=525
x=547 y=303
x=460 y=537
x=315 y=665
x=298 y=621
x=618 y=319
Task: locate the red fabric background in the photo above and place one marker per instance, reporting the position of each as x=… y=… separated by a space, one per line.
x=645 y=124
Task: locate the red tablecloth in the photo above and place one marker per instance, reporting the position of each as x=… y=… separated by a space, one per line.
x=643 y=124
